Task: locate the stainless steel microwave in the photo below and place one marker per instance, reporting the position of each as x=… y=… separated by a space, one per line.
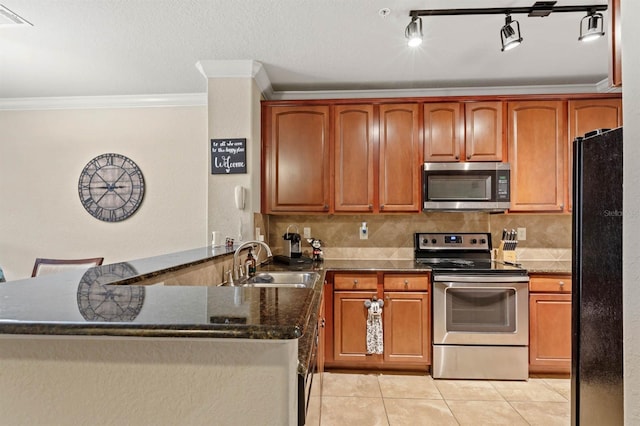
x=466 y=186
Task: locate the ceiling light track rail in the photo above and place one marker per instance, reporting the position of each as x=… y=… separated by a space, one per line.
x=591 y=26
x=532 y=11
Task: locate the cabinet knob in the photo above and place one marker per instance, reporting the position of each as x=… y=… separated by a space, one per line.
x=406 y=283
x=561 y=283
x=370 y=206
x=326 y=207
x=468 y=157
x=322 y=323
x=355 y=282
x=381 y=206
x=457 y=157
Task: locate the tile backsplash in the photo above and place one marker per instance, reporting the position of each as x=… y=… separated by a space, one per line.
x=391 y=236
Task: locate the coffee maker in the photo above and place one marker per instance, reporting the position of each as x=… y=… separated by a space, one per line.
x=292 y=244
x=292 y=249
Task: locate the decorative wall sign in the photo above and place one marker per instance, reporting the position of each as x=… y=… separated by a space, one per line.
x=228 y=156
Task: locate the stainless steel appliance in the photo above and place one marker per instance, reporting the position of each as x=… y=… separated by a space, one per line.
x=480 y=308
x=466 y=186
x=597 y=385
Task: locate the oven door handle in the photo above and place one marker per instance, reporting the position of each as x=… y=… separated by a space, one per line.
x=481 y=278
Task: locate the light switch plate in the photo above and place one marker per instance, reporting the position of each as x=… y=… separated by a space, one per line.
x=306 y=232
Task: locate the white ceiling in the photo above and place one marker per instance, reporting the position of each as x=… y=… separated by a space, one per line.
x=138 y=47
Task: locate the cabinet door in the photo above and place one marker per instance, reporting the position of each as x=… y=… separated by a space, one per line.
x=443 y=131
x=537 y=135
x=615 y=44
x=297 y=159
x=549 y=332
x=483 y=139
x=407 y=325
x=354 y=159
x=350 y=326
x=399 y=165
x=587 y=115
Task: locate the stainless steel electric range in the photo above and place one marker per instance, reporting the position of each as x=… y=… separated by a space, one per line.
x=480 y=308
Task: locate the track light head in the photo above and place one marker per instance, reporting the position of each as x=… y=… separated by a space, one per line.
x=413 y=32
x=510 y=34
x=594 y=27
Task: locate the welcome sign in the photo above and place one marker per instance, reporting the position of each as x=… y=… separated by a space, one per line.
x=228 y=156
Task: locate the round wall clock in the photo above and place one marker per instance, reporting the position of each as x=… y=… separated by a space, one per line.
x=111 y=187
x=100 y=301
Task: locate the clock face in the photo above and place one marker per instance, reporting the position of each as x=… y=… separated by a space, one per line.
x=111 y=187
x=100 y=301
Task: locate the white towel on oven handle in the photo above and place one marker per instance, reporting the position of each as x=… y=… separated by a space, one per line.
x=375 y=339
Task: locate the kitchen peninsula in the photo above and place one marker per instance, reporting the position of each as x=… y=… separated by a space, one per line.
x=112 y=345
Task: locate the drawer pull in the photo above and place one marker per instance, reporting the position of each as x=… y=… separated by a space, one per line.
x=355 y=282
x=406 y=283
x=561 y=283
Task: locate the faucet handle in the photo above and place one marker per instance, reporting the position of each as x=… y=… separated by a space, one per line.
x=229 y=274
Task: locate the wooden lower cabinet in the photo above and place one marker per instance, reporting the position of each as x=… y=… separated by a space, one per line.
x=550 y=324
x=350 y=326
x=406 y=332
x=406 y=320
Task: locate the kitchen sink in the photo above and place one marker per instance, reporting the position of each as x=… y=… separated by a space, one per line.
x=282 y=279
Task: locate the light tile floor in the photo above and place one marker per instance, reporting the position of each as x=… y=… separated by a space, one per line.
x=400 y=399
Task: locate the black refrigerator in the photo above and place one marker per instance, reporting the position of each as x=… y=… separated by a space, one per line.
x=597 y=359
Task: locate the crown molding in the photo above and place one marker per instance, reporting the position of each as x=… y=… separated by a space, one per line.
x=91 y=102
x=255 y=70
x=237 y=69
x=442 y=92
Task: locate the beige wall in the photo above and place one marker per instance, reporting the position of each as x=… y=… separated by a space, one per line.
x=234 y=112
x=42 y=154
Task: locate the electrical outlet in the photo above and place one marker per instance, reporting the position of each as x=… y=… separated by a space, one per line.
x=522 y=234
x=306 y=232
x=364 y=231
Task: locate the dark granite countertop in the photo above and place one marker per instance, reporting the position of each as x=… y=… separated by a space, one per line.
x=105 y=301
x=542 y=267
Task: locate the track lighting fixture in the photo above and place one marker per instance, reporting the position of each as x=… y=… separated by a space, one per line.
x=413 y=32
x=591 y=26
x=510 y=34
x=594 y=26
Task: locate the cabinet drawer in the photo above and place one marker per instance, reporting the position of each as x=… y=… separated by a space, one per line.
x=348 y=281
x=558 y=284
x=407 y=282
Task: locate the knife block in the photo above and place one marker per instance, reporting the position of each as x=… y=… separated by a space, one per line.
x=507 y=255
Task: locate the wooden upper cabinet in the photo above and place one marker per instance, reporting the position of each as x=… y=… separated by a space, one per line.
x=399 y=164
x=297 y=159
x=584 y=116
x=615 y=44
x=443 y=131
x=354 y=158
x=483 y=139
x=537 y=141
x=470 y=131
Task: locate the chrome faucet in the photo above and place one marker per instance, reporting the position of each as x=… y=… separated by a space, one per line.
x=237 y=268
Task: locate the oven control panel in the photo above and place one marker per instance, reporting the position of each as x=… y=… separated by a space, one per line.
x=453 y=241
